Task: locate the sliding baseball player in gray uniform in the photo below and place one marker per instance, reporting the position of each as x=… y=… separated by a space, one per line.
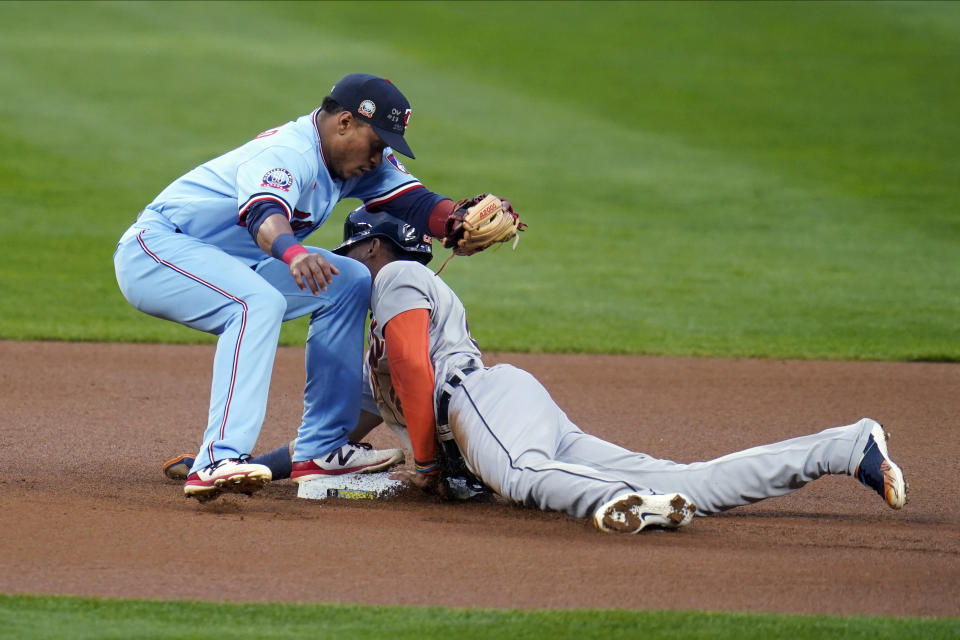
x=428 y=375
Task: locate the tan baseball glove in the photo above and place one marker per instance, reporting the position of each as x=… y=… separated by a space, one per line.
x=480 y=222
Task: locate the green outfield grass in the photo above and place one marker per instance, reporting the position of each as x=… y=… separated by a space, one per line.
x=761 y=179
x=40 y=618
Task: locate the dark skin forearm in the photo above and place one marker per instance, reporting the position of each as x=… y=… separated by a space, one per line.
x=307 y=269
x=366 y=424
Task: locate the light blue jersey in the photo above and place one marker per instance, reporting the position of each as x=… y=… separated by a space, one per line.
x=283 y=165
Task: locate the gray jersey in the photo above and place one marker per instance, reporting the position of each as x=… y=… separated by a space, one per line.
x=404 y=285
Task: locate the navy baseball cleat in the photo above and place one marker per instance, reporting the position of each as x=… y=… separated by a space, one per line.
x=632 y=513
x=179 y=468
x=877 y=471
x=232 y=475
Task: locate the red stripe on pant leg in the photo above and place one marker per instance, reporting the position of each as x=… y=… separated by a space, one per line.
x=233 y=375
x=243 y=326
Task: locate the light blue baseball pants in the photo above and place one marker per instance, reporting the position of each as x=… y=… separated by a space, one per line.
x=180 y=278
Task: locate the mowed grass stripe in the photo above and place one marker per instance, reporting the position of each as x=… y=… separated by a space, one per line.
x=42 y=617
x=759 y=179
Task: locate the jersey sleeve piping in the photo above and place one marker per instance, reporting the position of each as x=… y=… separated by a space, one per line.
x=392 y=194
x=263 y=197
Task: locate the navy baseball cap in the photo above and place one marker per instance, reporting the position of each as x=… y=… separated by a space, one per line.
x=377 y=102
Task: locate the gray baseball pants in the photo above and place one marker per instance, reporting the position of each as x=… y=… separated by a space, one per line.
x=516 y=439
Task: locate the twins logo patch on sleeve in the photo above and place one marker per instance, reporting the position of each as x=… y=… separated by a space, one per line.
x=392 y=159
x=278 y=178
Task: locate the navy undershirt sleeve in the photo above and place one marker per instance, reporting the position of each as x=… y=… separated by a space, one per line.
x=413 y=206
x=258 y=213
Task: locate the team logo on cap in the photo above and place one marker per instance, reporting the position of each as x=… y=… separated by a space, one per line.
x=367 y=108
x=392 y=159
x=277 y=179
x=406 y=118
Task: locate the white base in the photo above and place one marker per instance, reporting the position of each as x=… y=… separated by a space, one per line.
x=351 y=486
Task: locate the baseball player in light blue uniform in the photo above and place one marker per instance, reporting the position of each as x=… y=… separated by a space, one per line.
x=219 y=250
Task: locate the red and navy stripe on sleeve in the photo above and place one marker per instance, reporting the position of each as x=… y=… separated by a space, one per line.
x=411 y=202
x=258 y=208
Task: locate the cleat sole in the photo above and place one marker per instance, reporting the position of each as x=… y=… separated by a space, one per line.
x=632 y=513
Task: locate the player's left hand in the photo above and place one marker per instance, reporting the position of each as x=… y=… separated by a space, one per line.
x=312 y=270
x=479 y=223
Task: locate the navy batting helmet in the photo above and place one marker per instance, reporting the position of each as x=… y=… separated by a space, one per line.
x=361 y=224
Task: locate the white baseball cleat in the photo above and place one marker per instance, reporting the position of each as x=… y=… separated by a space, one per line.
x=232 y=475
x=353 y=457
x=633 y=512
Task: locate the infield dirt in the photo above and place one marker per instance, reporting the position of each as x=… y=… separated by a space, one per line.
x=86 y=510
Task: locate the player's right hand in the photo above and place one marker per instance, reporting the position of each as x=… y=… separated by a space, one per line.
x=429 y=484
x=312 y=270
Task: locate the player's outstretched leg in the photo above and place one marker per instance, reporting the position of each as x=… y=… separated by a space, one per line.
x=633 y=512
x=877 y=471
x=233 y=475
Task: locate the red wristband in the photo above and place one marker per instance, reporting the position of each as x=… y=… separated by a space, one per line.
x=293 y=252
